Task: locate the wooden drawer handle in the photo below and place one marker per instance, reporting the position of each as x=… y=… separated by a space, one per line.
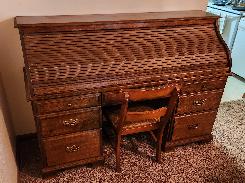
x=199 y=102
x=71 y=122
x=192 y=127
x=73 y=148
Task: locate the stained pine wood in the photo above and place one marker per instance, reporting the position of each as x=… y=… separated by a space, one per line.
x=68 y=148
x=71 y=122
x=199 y=102
x=66 y=104
x=80 y=19
x=190 y=126
x=75 y=63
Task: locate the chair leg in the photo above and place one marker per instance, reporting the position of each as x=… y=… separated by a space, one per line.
x=158 y=152
x=165 y=136
x=161 y=143
x=117 y=149
x=159 y=147
x=164 y=141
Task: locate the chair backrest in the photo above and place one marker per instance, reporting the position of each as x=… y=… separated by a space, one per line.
x=134 y=95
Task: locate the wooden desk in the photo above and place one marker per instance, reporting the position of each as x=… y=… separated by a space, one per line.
x=71 y=62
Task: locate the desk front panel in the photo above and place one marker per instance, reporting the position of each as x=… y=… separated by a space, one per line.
x=70 y=122
x=66 y=104
x=72 y=147
x=194 y=125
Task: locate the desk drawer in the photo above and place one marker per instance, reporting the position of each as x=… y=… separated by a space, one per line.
x=190 y=126
x=203 y=86
x=63 y=123
x=64 y=104
x=68 y=148
x=199 y=102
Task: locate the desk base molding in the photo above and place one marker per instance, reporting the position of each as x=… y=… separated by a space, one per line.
x=202 y=139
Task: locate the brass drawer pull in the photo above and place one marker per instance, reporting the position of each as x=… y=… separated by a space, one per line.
x=199 y=102
x=192 y=127
x=69 y=105
x=71 y=122
x=73 y=148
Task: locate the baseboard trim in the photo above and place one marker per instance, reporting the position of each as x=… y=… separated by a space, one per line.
x=19 y=141
x=18 y=176
x=27 y=136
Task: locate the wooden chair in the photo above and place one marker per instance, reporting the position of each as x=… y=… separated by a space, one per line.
x=141 y=111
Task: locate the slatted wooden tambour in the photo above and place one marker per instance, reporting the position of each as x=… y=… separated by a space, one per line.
x=71 y=62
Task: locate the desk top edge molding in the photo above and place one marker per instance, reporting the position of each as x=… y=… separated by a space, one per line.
x=62 y=20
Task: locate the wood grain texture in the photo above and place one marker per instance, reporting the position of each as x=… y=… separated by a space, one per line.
x=199 y=102
x=82 y=61
x=170 y=145
x=195 y=125
x=66 y=104
x=202 y=86
x=135 y=115
x=21 y=21
x=73 y=147
x=76 y=121
x=76 y=64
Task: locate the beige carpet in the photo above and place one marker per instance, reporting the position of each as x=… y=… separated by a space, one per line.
x=222 y=160
x=229 y=129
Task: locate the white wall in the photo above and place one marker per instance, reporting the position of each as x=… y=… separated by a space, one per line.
x=11 y=61
x=8 y=168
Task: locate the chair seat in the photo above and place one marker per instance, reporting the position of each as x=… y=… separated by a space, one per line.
x=141 y=110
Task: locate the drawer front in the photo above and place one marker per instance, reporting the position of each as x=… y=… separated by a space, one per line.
x=199 y=102
x=85 y=119
x=68 y=148
x=111 y=98
x=193 y=125
x=64 y=104
x=203 y=86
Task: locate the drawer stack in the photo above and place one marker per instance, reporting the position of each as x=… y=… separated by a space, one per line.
x=196 y=112
x=69 y=130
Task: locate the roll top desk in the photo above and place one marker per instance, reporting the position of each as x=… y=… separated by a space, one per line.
x=71 y=62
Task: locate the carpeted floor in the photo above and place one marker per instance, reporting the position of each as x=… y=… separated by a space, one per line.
x=222 y=160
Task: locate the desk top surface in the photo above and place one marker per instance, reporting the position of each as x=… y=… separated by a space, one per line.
x=120 y=17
